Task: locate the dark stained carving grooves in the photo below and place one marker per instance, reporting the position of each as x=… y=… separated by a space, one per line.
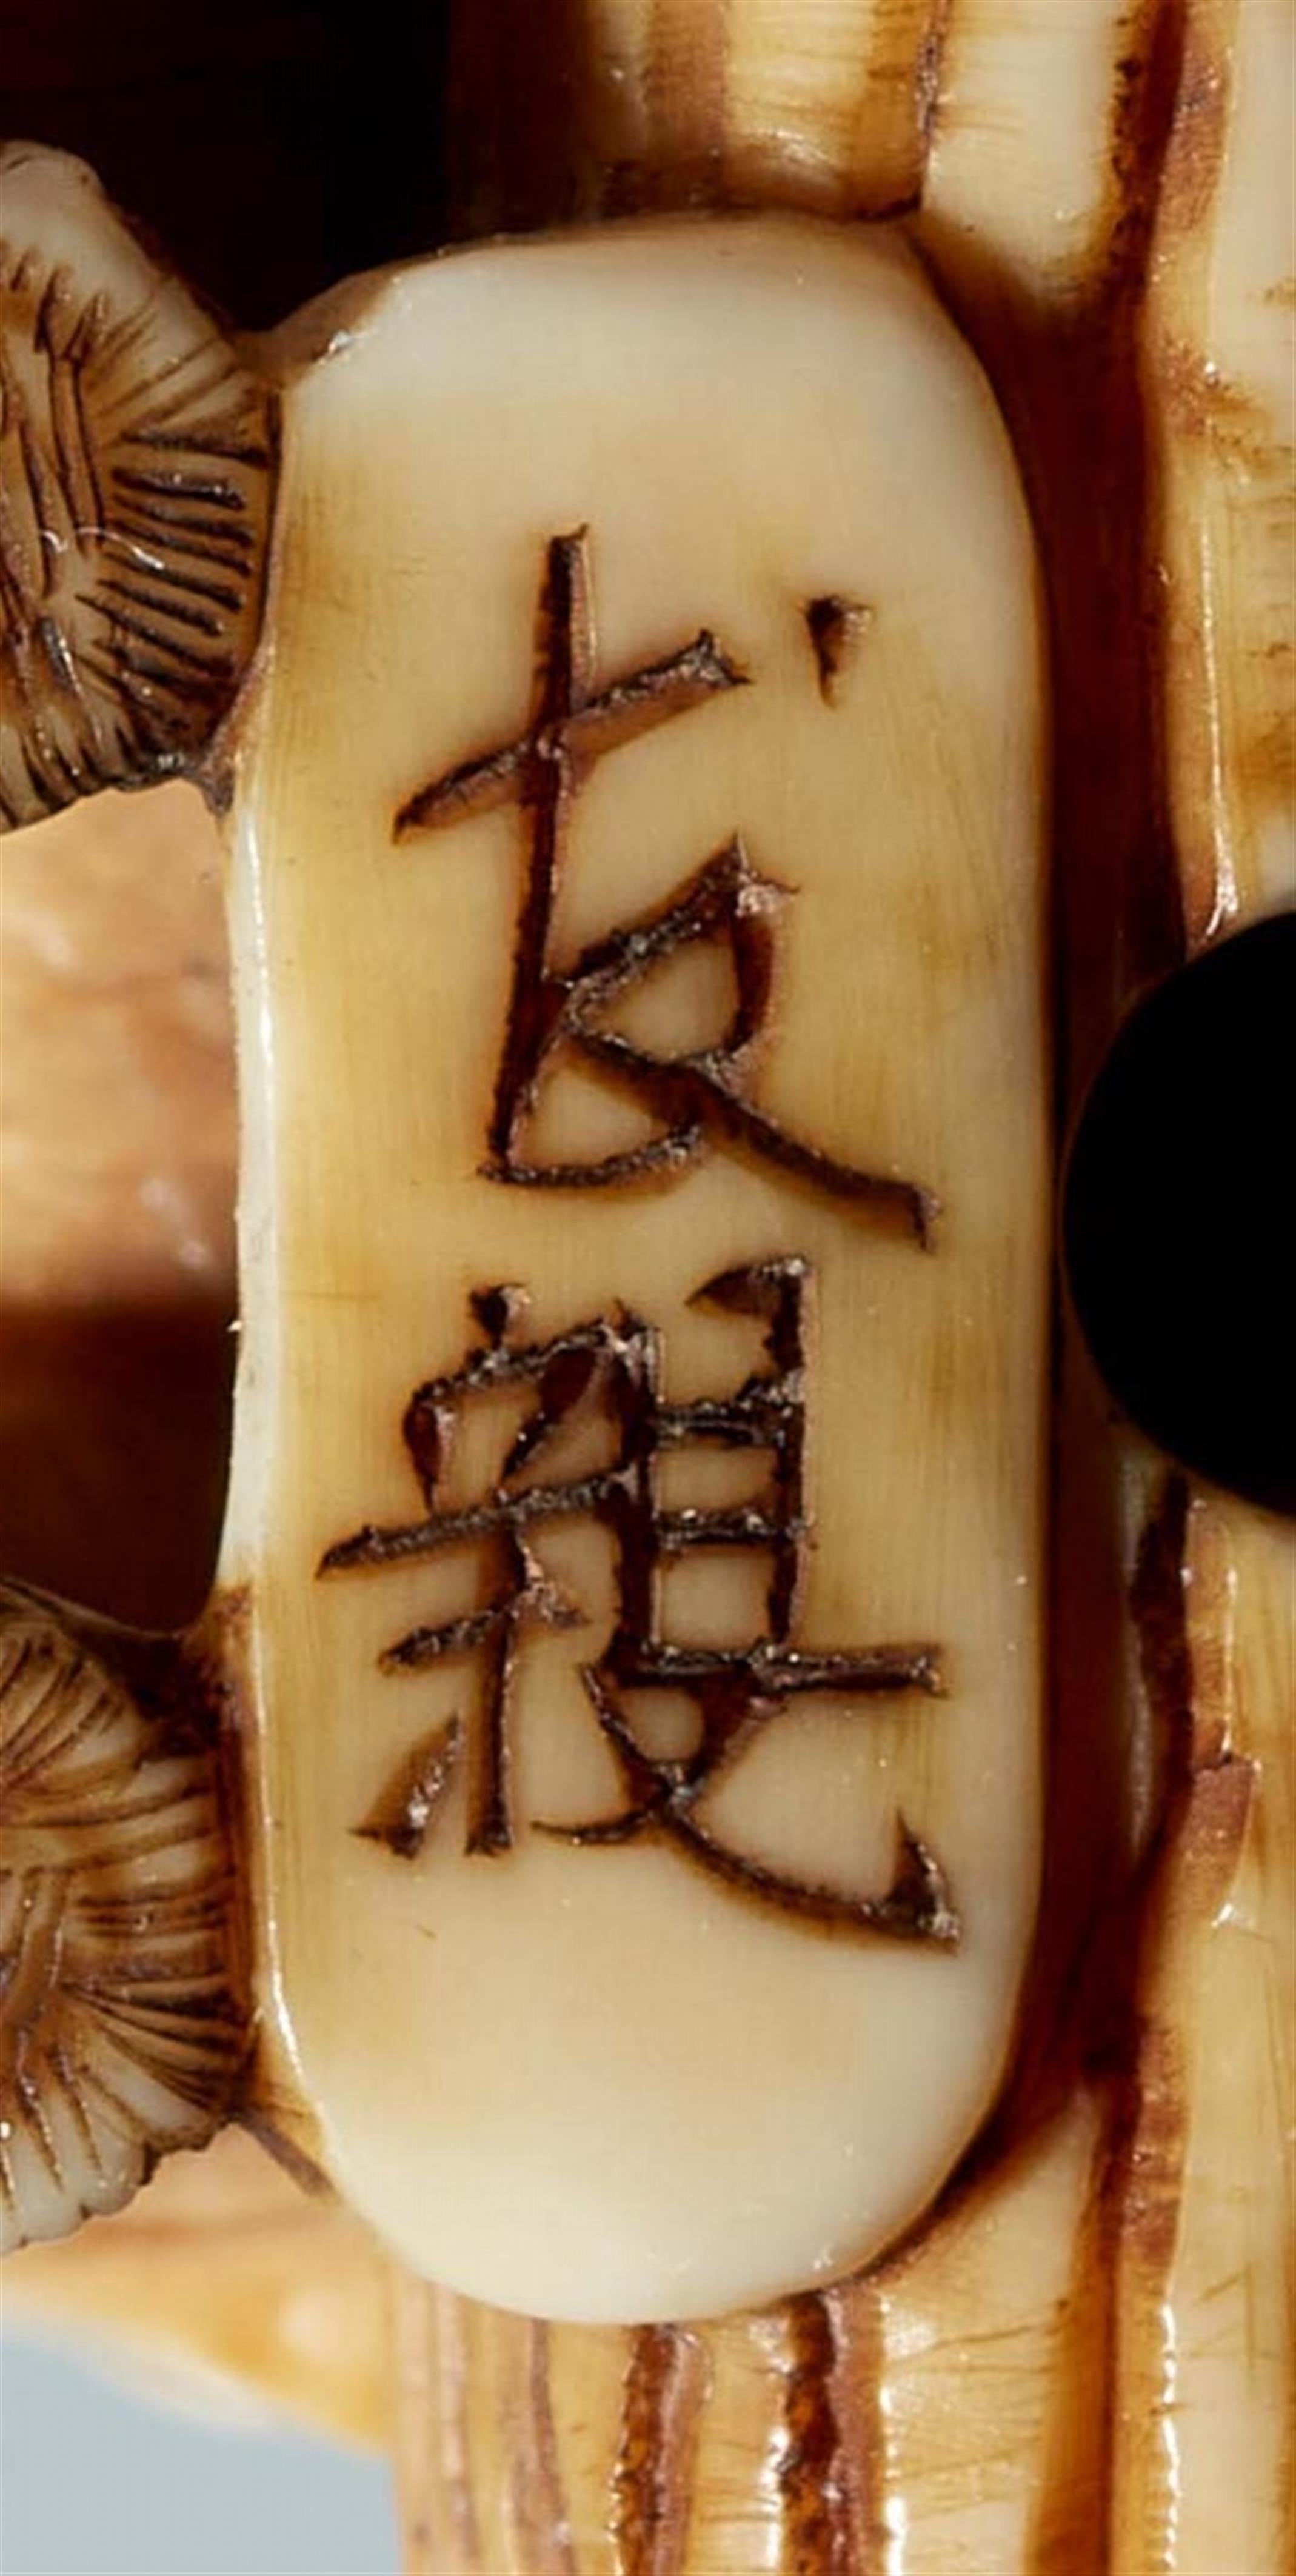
x=1190 y=1868
x=698 y=1095
x=123 y=2027
x=902 y=68
x=862 y=2402
x=652 y=2477
x=929 y=65
x=1070 y=2528
x=836 y=628
x=1119 y=2215
x=810 y=2464
x=125 y=485
x=407 y=1810
x=614 y=1364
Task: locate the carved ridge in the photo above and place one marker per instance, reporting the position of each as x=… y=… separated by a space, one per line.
x=122 y=2028
x=122 y=486
x=663 y=2394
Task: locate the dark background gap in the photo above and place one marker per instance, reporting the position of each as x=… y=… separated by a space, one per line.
x=1179 y=1214
x=272 y=151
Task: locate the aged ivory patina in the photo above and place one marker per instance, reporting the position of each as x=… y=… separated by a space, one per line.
x=1083 y=2359
x=637 y=914
x=629 y=1619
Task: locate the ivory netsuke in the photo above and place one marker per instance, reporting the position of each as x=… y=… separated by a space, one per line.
x=636 y=1524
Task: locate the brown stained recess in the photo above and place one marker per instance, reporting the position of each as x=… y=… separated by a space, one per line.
x=836 y=628
x=810 y=2466
x=405 y=1814
x=700 y=1097
x=685 y=85
x=863 y=2406
x=1074 y=2518
x=1068 y=2533
x=1189 y=1867
x=1199 y=403
x=899 y=85
x=929 y=63
x=1195 y=151
x=664 y=2391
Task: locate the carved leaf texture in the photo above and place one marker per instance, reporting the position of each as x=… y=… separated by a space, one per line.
x=120 y=2030
x=136 y=454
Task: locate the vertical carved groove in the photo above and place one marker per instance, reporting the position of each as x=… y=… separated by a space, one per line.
x=1183 y=396
x=811 y=2466
x=652 y=2477
x=1075 y=2524
x=1147 y=2149
x=1109 y=2499
x=857 y=2312
x=899 y=91
x=540 y=2523
x=433 y=2466
x=1069 y=2529
x=1190 y=1866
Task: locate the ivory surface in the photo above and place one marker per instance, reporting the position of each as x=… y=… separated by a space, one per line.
x=1085 y=2362
x=701 y=2062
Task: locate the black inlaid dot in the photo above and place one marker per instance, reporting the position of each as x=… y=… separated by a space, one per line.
x=1179 y=1230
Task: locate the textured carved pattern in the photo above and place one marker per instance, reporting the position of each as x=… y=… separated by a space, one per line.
x=698 y=1096
x=135 y=477
x=120 y=2029
x=614 y=1363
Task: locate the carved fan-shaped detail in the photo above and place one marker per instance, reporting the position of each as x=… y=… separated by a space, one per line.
x=121 y=2033
x=136 y=455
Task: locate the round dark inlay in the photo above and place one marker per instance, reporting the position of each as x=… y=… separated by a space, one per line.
x=1178 y=1223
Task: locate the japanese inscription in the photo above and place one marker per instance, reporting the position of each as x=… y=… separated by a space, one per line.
x=645 y=1659
x=613 y=1364
x=697 y=1098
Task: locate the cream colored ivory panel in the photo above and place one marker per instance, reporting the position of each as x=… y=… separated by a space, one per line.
x=710 y=541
